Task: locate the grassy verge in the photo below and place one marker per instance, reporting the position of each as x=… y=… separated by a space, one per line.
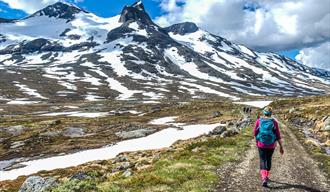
x=310 y=108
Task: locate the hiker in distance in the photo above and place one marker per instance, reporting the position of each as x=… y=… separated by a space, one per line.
x=267 y=132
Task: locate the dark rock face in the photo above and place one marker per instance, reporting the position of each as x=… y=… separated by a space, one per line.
x=44 y=45
x=182 y=28
x=60 y=10
x=149 y=54
x=135 y=12
x=117 y=33
x=4 y=20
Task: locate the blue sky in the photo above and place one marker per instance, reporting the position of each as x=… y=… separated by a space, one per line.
x=103 y=8
x=288 y=27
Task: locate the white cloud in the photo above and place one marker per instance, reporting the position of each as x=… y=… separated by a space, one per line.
x=31 y=6
x=318 y=56
x=274 y=25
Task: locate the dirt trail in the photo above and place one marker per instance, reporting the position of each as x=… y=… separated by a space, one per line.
x=294 y=171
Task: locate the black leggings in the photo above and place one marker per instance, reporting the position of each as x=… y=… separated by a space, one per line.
x=265 y=158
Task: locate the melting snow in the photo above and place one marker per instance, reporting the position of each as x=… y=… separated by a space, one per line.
x=25 y=89
x=77 y=114
x=259 y=104
x=163 y=120
x=23 y=101
x=153 y=141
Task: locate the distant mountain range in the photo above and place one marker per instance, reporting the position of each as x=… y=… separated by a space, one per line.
x=64 y=53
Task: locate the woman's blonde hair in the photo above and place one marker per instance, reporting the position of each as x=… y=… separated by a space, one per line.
x=268 y=111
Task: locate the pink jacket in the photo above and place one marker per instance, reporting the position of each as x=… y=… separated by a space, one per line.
x=277 y=132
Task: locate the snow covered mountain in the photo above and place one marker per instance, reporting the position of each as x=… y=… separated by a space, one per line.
x=65 y=53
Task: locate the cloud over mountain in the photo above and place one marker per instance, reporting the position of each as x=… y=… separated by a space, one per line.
x=318 y=56
x=265 y=25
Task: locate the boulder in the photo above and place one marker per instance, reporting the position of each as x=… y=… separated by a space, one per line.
x=229 y=123
x=218 y=130
x=38 y=184
x=73 y=132
x=135 y=133
x=127 y=173
x=15 y=130
x=233 y=131
x=243 y=123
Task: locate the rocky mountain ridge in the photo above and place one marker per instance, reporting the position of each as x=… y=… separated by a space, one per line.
x=63 y=52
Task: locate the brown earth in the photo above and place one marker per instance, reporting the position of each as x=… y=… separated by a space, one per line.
x=294 y=171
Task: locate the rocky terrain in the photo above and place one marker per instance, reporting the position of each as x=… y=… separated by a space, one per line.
x=64 y=53
x=223 y=160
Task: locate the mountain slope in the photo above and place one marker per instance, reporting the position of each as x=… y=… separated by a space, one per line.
x=65 y=53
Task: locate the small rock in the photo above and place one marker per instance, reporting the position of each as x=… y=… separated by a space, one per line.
x=224 y=134
x=127 y=173
x=327 y=122
x=326 y=128
x=292 y=110
x=229 y=123
x=124 y=166
x=157 y=156
x=38 y=184
x=327 y=143
x=325 y=118
x=216 y=114
x=312 y=142
x=122 y=159
x=80 y=176
x=195 y=150
x=17 y=144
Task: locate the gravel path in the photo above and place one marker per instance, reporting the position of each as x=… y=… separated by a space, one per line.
x=294 y=171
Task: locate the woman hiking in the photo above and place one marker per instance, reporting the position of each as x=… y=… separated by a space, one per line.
x=267 y=132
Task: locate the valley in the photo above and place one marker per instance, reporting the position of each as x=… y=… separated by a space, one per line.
x=121 y=104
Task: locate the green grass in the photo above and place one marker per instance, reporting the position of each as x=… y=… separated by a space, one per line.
x=314 y=107
x=180 y=171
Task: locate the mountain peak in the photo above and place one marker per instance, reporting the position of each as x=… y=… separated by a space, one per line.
x=138 y=5
x=135 y=12
x=61 y=10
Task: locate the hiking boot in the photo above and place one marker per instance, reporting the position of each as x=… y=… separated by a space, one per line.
x=265 y=182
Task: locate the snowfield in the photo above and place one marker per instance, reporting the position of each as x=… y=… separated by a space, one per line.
x=153 y=141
